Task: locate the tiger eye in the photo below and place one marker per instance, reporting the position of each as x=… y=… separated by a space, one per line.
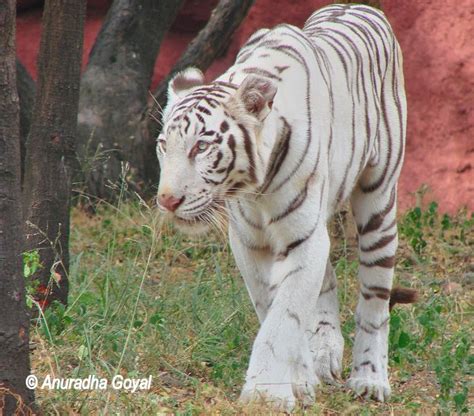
x=202 y=146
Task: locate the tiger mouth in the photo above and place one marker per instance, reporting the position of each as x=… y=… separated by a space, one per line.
x=203 y=217
x=192 y=220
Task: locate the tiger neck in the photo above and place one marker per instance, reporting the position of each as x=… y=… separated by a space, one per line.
x=271 y=139
x=272 y=147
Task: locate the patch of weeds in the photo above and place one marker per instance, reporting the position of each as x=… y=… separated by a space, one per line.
x=429 y=341
x=411 y=228
x=431 y=320
x=416 y=224
x=31 y=264
x=53 y=321
x=451 y=366
x=146 y=300
x=403 y=346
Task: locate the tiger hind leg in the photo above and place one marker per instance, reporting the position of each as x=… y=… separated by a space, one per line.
x=375 y=215
x=326 y=341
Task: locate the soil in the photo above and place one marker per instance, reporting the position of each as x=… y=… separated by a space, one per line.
x=436 y=38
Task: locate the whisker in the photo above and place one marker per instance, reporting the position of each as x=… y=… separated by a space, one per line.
x=212 y=220
x=156 y=102
x=154 y=118
x=221 y=216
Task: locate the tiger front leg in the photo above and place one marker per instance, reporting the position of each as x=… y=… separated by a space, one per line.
x=281 y=368
x=325 y=337
x=254 y=265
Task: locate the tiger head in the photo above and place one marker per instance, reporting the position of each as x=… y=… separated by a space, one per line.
x=210 y=146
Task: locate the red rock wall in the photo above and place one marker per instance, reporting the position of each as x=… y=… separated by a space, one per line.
x=437 y=41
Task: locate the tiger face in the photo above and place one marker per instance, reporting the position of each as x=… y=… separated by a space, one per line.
x=209 y=146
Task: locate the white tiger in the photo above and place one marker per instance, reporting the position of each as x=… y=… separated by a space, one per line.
x=303 y=120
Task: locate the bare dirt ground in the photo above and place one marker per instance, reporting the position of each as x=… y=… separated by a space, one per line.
x=436 y=38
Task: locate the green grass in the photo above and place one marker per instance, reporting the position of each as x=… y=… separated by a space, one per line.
x=146 y=301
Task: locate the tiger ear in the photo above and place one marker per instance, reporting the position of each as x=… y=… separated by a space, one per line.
x=180 y=85
x=257 y=93
x=183 y=81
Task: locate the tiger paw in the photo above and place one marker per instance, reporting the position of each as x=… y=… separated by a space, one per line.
x=281 y=382
x=366 y=383
x=327 y=347
x=279 y=396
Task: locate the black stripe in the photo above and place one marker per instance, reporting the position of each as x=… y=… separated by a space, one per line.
x=255 y=39
x=296 y=243
x=280 y=69
x=291 y=273
x=294 y=204
x=294 y=54
x=262 y=72
x=227 y=84
x=249 y=150
x=380 y=243
x=206 y=202
x=203 y=110
x=188 y=123
x=224 y=126
x=278 y=156
x=376 y=220
x=385 y=262
x=231 y=143
x=200 y=118
x=248 y=220
x=294 y=316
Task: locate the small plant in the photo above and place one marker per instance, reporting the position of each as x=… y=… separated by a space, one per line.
x=452 y=364
x=54 y=320
x=412 y=228
x=31 y=263
x=402 y=346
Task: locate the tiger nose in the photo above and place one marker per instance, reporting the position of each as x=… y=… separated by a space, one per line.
x=170 y=202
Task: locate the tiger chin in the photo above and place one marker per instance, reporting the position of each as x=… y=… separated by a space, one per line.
x=305 y=120
x=194 y=227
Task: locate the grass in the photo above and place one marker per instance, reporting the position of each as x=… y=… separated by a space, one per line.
x=145 y=300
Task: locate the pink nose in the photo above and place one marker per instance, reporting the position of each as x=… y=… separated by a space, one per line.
x=170 y=202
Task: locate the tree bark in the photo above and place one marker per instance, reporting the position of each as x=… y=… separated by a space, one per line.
x=14 y=319
x=26 y=92
x=373 y=3
x=50 y=147
x=114 y=90
x=210 y=43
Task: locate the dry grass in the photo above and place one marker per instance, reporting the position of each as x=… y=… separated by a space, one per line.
x=144 y=300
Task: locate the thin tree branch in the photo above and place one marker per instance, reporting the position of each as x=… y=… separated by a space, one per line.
x=211 y=41
x=114 y=91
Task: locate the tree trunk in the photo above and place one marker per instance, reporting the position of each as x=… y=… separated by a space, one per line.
x=210 y=43
x=372 y=3
x=114 y=90
x=50 y=147
x=14 y=319
x=26 y=92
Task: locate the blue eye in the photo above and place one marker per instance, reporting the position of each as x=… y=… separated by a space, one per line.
x=202 y=146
